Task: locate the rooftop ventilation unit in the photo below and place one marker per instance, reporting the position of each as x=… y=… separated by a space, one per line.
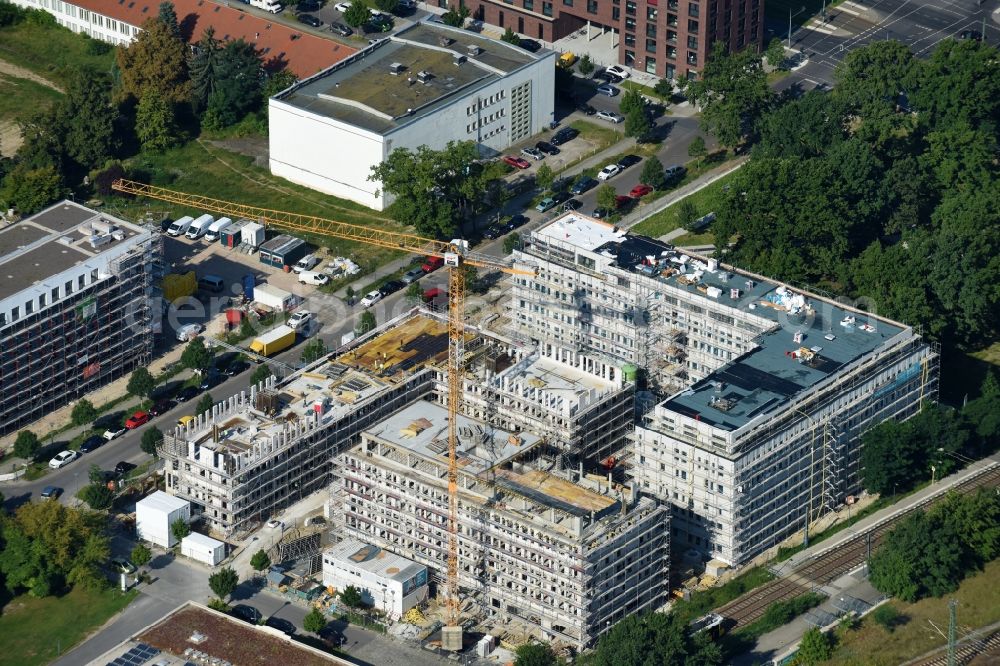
x=445 y=41
x=424 y=76
x=396 y=68
x=474 y=50
x=459 y=58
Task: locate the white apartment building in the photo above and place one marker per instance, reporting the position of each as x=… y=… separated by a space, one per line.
x=386 y=581
x=769 y=388
x=426 y=85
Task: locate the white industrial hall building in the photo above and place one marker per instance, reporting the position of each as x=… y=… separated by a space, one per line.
x=386 y=581
x=763 y=390
x=423 y=86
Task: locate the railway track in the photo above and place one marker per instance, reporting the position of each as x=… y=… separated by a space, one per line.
x=830 y=564
x=964 y=652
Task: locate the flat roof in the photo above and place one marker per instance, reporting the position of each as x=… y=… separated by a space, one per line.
x=373 y=559
x=54 y=240
x=805 y=339
x=202 y=540
x=161 y=501
x=364 y=91
x=557 y=386
x=422 y=428
x=542 y=487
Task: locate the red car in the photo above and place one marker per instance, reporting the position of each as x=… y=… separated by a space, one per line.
x=431 y=264
x=640 y=190
x=516 y=162
x=137 y=420
x=622 y=202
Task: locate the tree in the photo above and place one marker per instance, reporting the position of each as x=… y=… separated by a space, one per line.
x=90 y=119
x=97 y=496
x=511 y=242
x=261 y=373
x=637 y=124
x=351 y=597
x=654 y=638
x=314 y=622
x=814 y=648
x=83 y=412
x=607 y=197
x=26 y=445
x=275 y=83
x=652 y=173
x=197 y=356
x=535 y=654
x=775 y=54
x=586 y=65
x=456 y=17
x=223 y=582
x=631 y=100
x=260 y=561
x=510 y=37
x=366 y=322
x=141 y=555
x=95 y=474
x=156 y=123
x=357 y=14
x=155 y=63
x=204 y=68
x=697 y=147
x=151 y=438
x=921 y=556
x=387 y=6
x=30 y=190
x=205 y=404
x=732 y=93
x=180 y=529
x=887 y=617
x=313 y=351
x=687 y=214
x=664 y=88
x=236 y=88
x=349 y=294
x=141 y=383
x=414 y=292
x=168 y=17
x=544 y=177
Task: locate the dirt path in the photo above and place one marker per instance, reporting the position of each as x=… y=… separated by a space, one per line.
x=22 y=73
x=10 y=138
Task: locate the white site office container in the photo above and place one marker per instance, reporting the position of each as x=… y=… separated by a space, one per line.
x=203 y=549
x=155 y=514
x=273 y=297
x=252 y=234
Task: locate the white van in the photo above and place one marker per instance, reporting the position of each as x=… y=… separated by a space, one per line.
x=212 y=234
x=306 y=263
x=180 y=225
x=312 y=277
x=267 y=5
x=200 y=226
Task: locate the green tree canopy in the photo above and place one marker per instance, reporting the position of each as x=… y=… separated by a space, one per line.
x=259 y=374
x=314 y=621
x=637 y=124
x=697 y=147
x=97 y=496
x=511 y=242
x=156 y=124
x=510 y=37
x=205 y=404
x=313 y=350
x=155 y=63
x=357 y=14
x=814 y=648
x=30 y=190
x=652 y=173
x=654 y=638
x=151 y=438
x=366 y=322
x=236 y=88
x=260 y=561
x=535 y=654
x=455 y=16
x=606 y=197
x=223 y=582
x=26 y=445
x=141 y=383
x=775 y=53
x=83 y=412
x=197 y=356
x=544 y=176
x=141 y=555
x=180 y=529
x=351 y=597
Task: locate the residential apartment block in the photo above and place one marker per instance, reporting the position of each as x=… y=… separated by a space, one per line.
x=569 y=554
x=768 y=388
x=75 y=289
x=668 y=38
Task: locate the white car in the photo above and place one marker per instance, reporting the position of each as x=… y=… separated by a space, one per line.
x=300 y=319
x=610 y=116
x=188 y=332
x=609 y=171
x=342 y=6
x=619 y=71
x=371 y=298
x=113 y=432
x=63 y=458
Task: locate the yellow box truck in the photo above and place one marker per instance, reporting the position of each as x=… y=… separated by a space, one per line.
x=276 y=340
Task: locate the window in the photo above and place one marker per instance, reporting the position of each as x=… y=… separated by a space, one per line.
x=692 y=58
x=81 y=281
x=651 y=30
x=671 y=36
x=650 y=62
x=567 y=3
x=592 y=6
x=692 y=42
x=630 y=24
x=629 y=39
x=692 y=25
x=629 y=58
x=69 y=288
x=672 y=20
x=41 y=301
x=693 y=9
x=651 y=13
x=671 y=52
x=55 y=294
x=15 y=313
x=651 y=45
x=616 y=13
x=630 y=7
x=671 y=72
x=529 y=4
x=547 y=8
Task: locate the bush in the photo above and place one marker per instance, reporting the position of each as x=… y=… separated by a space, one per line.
x=26 y=445
x=97 y=496
x=83 y=412
x=887 y=617
x=97 y=47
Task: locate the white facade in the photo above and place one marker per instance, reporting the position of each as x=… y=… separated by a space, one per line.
x=273 y=297
x=332 y=148
x=80 y=20
x=388 y=582
x=155 y=514
x=203 y=549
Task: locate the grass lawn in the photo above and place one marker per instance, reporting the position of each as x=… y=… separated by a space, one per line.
x=871 y=645
x=50 y=51
x=600 y=137
x=706 y=200
x=20 y=98
x=36 y=631
x=702 y=601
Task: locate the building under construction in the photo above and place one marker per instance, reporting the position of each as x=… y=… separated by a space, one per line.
x=764 y=390
x=561 y=553
x=75 y=294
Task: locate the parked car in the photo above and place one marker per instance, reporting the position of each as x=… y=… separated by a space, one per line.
x=123 y=468
x=412 y=275
x=546 y=204
x=629 y=160
x=611 y=116
x=371 y=298
x=161 y=406
x=63 y=458
x=529 y=45
x=560 y=197
x=247 y=613
x=571 y=205
x=309 y=5
x=235 y=368
x=114 y=432
x=971 y=34
x=341 y=29
x=186 y=393
x=516 y=221
x=433 y=293
x=640 y=190
x=607 y=89
x=610 y=171
x=516 y=162
x=533 y=153
x=583 y=184
x=121 y=565
x=619 y=71
x=547 y=148
x=301 y=319
x=51 y=492
x=306 y=263
x=495 y=230
x=674 y=173
x=310 y=20
x=342 y=6
x=564 y=135
x=391 y=287
x=184 y=420
x=432 y=264
x=275 y=524
x=603 y=75
x=92 y=444
x=209 y=380
x=567 y=59
x=188 y=332
x=600 y=213
x=136 y=420
x=585 y=108
x=281 y=625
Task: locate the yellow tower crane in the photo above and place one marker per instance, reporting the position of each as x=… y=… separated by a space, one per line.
x=455 y=254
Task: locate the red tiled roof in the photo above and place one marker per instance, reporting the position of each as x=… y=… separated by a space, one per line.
x=302 y=53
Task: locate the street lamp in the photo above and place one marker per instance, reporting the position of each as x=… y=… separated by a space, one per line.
x=933 y=474
x=790 y=16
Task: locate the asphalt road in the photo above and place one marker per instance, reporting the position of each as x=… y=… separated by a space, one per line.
x=920 y=24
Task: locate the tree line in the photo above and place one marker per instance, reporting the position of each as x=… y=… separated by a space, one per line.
x=158 y=94
x=885 y=188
